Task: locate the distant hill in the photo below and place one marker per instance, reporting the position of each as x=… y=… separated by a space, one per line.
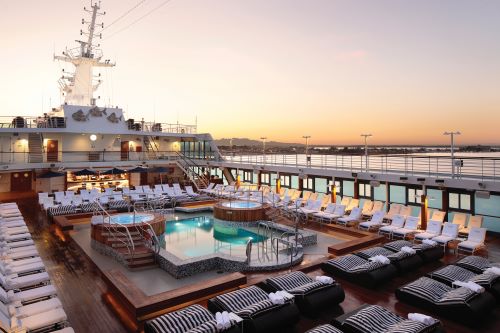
x=251 y=143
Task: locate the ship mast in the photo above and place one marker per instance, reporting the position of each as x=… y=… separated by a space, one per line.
x=78 y=87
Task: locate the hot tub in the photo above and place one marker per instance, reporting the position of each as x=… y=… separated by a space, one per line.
x=240 y=211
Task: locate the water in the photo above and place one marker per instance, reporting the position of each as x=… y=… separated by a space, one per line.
x=129 y=218
x=202 y=235
x=241 y=204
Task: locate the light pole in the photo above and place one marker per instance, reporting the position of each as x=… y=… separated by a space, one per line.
x=231 y=147
x=366 y=136
x=264 y=148
x=308 y=160
x=452 y=136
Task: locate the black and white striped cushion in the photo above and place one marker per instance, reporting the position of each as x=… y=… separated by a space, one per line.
x=396 y=246
x=208 y=327
x=437 y=292
x=296 y=283
x=182 y=321
x=62 y=210
x=373 y=251
x=376 y=319
x=327 y=328
x=88 y=207
x=475 y=263
x=118 y=204
x=452 y=273
x=397 y=256
x=246 y=302
x=354 y=264
x=424 y=246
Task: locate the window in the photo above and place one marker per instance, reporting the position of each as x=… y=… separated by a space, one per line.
x=365 y=190
x=248 y=176
x=461 y=201
x=414 y=196
x=337 y=187
x=264 y=178
x=285 y=180
x=307 y=183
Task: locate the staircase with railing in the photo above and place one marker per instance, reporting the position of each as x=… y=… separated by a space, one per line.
x=151 y=147
x=193 y=171
x=35 y=148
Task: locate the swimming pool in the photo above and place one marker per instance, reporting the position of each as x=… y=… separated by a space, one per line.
x=128 y=218
x=241 y=204
x=202 y=235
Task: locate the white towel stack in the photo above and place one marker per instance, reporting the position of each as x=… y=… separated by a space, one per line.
x=223 y=321
x=429 y=242
x=493 y=270
x=408 y=249
x=235 y=317
x=276 y=299
x=470 y=285
x=381 y=259
x=324 y=279
x=284 y=294
x=424 y=319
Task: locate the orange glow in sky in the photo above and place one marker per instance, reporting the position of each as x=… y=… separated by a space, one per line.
x=405 y=71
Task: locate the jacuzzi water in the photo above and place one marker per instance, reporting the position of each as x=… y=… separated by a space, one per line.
x=199 y=236
x=129 y=218
x=241 y=204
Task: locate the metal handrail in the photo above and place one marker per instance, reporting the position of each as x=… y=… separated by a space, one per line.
x=191 y=163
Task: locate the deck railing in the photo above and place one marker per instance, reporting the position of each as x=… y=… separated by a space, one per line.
x=32 y=122
x=484 y=168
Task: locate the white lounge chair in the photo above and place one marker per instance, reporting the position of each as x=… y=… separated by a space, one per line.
x=28 y=295
x=354 y=216
x=410 y=228
x=475 y=221
x=461 y=220
x=393 y=210
x=190 y=192
x=449 y=233
x=438 y=215
x=42 y=320
x=375 y=222
x=354 y=203
x=474 y=242
x=32 y=267
x=330 y=208
x=367 y=207
x=398 y=222
x=337 y=213
x=405 y=211
x=32 y=309
x=13 y=238
x=433 y=230
x=377 y=206
x=14 y=281
x=11 y=245
x=13 y=230
x=208 y=189
x=15 y=255
x=345 y=201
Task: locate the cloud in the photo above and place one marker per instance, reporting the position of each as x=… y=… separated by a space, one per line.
x=357 y=56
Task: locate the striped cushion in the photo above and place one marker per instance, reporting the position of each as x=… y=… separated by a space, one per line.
x=354 y=264
x=208 y=327
x=327 y=328
x=376 y=319
x=88 y=207
x=423 y=246
x=396 y=246
x=437 y=292
x=397 y=256
x=246 y=302
x=118 y=204
x=475 y=263
x=452 y=273
x=182 y=321
x=296 y=283
x=62 y=210
x=374 y=251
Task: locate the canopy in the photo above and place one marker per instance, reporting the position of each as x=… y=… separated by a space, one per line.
x=51 y=174
x=114 y=171
x=84 y=172
x=138 y=169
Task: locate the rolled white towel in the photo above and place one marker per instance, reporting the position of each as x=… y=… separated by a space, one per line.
x=424 y=319
x=235 y=317
x=276 y=299
x=219 y=321
x=408 y=249
x=493 y=270
x=429 y=242
x=470 y=285
x=324 y=279
x=226 y=320
x=381 y=259
x=284 y=294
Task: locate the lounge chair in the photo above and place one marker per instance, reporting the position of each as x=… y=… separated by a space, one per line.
x=393 y=210
x=451 y=273
x=32 y=309
x=359 y=270
x=259 y=313
x=427 y=252
x=410 y=228
x=367 y=207
x=329 y=209
x=374 y=223
x=474 y=242
x=460 y=304
x=438 y=215
x=374 y=318
x=433 y=230
x=337 y=213
x=208 y=189
x=309 y=210
x=190 y=192
x=354 y=203
x=353 y=218
x=54 y=318
x=14 y=230
x=461 y=220
x=345 y=201
x=377 y=207
x=402 y=260
x=405 y=211
x=398 y=222
x=28 y=295
x=17 y=237
x=14 y=281
x=12 y=245
x=29 y=266
x=311 y=296
x=194 y=318
x=475 y=221
x=449 y=233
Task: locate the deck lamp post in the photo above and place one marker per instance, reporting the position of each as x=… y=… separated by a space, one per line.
x=308 y=158
x=264 y=138
x=366 y=136
x=452 y=137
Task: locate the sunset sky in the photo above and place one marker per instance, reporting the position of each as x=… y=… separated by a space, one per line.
x=404 y=71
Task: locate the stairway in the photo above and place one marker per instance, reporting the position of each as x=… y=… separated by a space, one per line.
x=151 y=148
x=193 y=171
x=142 y=257
x=35 y=148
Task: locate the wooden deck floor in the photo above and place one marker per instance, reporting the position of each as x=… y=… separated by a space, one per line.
x=80 y=286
